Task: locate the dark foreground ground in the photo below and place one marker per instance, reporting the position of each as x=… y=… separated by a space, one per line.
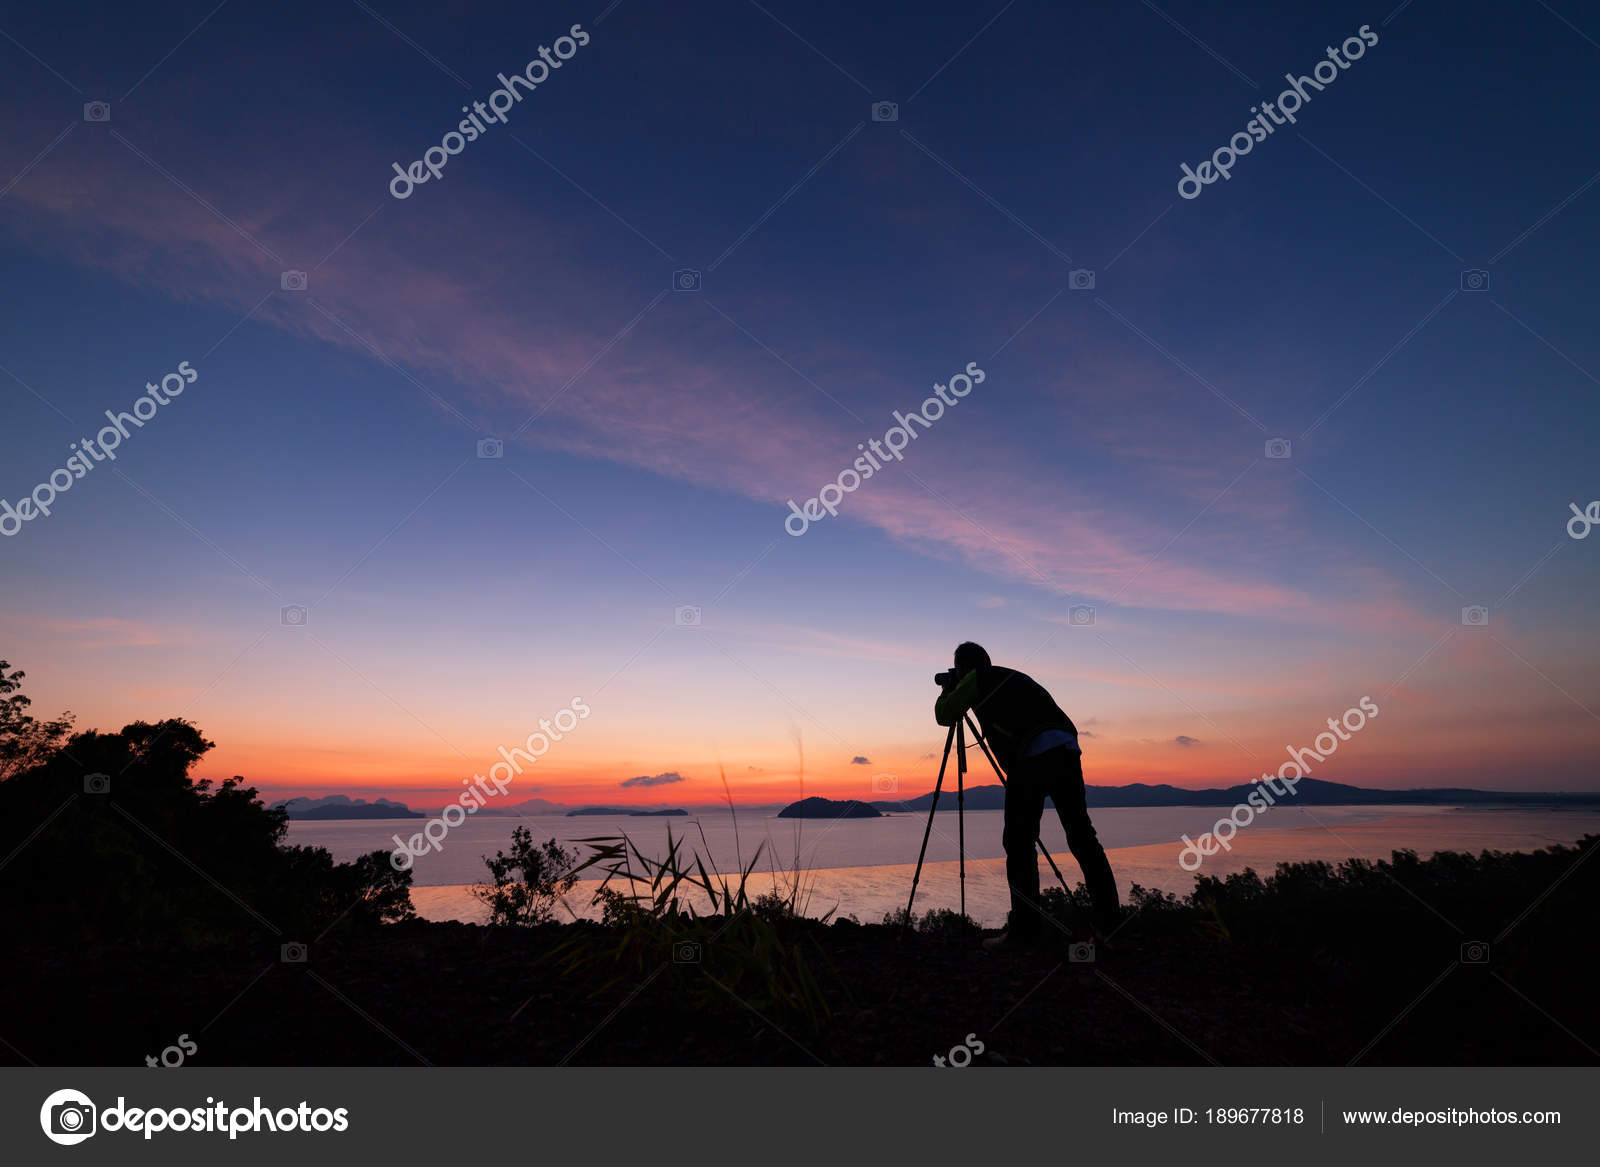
x=1453 y=960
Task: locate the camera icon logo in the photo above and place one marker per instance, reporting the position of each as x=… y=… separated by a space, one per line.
x=1279 y=448
x=293 y=953
x=293 y=281
x=1474 y=279
x=885 y=784
x=67 y=1117
x=1080 y=279
x=97 y=784
x=1475 y=952
x=686 y=952
x=292 y=616
x=686 y=280
x=1082 y=952
x=885 y=111
x=491 y=448
x=686 y=616
x=1475 y=616
x=1080 y=615
x=97 y=111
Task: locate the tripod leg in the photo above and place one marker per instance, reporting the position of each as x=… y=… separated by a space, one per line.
x=928 y=830
x=961 y=812
x=998 y=774
x=984 y=746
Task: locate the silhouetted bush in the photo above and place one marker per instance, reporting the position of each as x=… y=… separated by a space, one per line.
x=526 y=885
x=945 y=922
x=704 y=936
x=109 y=840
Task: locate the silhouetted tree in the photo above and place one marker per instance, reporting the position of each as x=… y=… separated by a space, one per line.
x=527 y=884
x=24 y=740
x=108 y=839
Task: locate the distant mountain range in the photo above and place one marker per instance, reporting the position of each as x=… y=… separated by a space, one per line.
x=340 y=806
x=528 y=806
x=1308 y=792
x=633 y=812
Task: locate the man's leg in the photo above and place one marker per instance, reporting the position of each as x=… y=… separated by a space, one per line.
x=1067 y=792
x=1024 y=808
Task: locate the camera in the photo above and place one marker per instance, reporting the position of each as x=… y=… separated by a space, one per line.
x=97 y=784
x=491 y=448
x=293 y=616
x=686 y=616
x=293 y=281
x=686 y=280
x=72 y=1118
x=1082 y=952
x=1080 y=615
x=96 y=111
x=1474 y=279
x=1080 y=279
x=292 y=953
x=1475 y=616
x=1279 y=448
x=885 y=111
x=945 y=679
x=686 y=952
x=1475 y=952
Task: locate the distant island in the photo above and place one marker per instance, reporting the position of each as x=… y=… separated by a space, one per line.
x=827 y=808
x=1308 y=792
x=339 y=806
x=631 y=812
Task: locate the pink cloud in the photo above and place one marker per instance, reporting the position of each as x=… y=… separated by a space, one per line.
x=494 y=311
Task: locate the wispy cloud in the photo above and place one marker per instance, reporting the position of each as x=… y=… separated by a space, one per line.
x=621 y=372
x=105 y=631
x=665 y=779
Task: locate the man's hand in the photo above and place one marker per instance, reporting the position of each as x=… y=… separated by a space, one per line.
x=953 y=703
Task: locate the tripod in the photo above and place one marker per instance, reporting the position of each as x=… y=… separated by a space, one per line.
x=956 y=739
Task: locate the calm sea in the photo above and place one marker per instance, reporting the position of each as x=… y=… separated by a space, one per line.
x=863 y=867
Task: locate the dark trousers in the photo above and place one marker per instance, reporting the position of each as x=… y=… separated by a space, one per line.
x=1058 y=775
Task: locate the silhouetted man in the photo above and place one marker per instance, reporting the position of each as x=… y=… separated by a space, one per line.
x=1037 y=746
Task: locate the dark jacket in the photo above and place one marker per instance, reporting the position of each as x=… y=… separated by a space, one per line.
x=1012 y=709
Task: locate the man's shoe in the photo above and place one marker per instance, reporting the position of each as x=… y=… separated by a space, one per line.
x=1009 y=941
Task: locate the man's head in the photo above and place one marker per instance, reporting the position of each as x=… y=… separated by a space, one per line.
x=970 y=656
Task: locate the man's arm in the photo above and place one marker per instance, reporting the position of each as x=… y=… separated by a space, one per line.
x=953 y=704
